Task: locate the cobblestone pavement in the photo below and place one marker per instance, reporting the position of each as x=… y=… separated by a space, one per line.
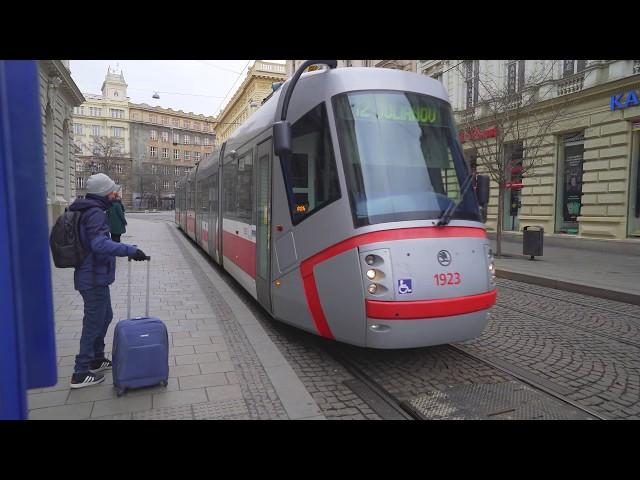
x=323 y=377
x=565 y=343
x=573 y=342
x=406 y=374
x=214 y=369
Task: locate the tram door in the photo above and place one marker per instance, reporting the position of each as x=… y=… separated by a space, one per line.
x=199 y=210
x=263 y=224
x=213 y=215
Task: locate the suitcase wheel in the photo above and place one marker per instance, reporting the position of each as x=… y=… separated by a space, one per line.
x=120 y=391
x=164 y=383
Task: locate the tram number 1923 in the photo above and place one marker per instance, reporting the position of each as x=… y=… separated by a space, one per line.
x=451 y=278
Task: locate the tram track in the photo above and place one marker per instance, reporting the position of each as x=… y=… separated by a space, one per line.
x=525 y=377
x=390 y=407
x=383 y=402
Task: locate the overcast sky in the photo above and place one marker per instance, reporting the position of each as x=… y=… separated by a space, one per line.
x=193 y=84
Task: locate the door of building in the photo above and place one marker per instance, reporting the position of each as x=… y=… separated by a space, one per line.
x=569 y=197
x=633 y=223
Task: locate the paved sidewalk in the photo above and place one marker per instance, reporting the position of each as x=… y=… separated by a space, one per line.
x=222 y=365
x=606 y=269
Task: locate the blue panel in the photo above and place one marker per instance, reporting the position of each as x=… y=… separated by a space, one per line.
x=12 y=378
x=27 y=336
x=32 y=228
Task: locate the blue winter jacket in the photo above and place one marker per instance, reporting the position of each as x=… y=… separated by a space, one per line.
x=94 y=234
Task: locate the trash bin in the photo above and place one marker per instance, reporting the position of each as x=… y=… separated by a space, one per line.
x=532 y=241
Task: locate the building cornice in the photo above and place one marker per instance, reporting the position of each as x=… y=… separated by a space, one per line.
x=170 y=111
x=252 y=74
x=170 y=127
x=57 y=68
x=603 y=89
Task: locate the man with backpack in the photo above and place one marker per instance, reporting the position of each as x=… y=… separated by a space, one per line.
x=92 y=253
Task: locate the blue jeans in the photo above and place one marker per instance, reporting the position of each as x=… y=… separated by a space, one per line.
x=97 y=317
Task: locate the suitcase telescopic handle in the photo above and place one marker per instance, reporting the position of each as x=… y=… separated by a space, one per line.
x=148 y=258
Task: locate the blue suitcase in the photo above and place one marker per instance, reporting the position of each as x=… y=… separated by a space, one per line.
x=140 y=348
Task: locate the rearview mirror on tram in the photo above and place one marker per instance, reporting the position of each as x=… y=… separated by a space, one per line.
x=483 y=189
x=282 y=138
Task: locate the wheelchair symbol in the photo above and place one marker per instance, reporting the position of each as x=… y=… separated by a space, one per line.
x=404 y=286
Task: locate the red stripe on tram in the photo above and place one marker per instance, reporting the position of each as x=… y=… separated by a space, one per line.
x=307 y=266
x=418 y=310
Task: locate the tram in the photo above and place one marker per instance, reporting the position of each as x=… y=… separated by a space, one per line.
x=345 y=207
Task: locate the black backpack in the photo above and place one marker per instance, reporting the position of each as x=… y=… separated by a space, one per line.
x=66 y=247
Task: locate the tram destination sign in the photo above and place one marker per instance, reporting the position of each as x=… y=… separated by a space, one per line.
x=624 y=100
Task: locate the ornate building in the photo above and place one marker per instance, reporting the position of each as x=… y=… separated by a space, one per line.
x=165 y=144
x=102 y=134
x=144 y=149
x=248 y=98
x=586 y=181
x=58 y=96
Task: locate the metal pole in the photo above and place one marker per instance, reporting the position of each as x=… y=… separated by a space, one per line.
x=148 y=279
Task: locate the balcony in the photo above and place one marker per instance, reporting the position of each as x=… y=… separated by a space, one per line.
x=513 y=101
x=270 y=67
x=571 y=84
x=636 y=66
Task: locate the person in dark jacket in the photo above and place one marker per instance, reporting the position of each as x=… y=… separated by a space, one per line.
x=93 y=277
x=117 y=221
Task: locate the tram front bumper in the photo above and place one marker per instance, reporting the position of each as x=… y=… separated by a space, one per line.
x=429 y=322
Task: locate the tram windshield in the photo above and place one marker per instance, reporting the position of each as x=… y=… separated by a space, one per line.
x=401 y=157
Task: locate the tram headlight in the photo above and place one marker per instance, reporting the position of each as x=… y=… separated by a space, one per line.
x=492 y=267
x=372 y=288
x=370 y=259
x=371 y=274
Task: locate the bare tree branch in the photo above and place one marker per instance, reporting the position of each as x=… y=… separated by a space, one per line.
x=522 y=118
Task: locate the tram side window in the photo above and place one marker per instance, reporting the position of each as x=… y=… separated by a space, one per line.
x=191 y=200
x=229 y=188
x=244 y=198
x=311 y=172
x=203 y=196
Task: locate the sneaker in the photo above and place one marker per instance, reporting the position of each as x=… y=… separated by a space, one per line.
x=101 y=365
x=81 y=380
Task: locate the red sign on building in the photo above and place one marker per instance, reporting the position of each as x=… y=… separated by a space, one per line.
x=477 y=134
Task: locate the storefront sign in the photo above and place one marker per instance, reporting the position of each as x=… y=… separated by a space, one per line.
x=624 y=100
x=477 y=134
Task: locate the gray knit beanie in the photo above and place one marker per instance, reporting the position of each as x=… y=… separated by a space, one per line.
x=100 y=184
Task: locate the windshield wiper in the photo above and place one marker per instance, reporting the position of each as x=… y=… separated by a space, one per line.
x=446 y=215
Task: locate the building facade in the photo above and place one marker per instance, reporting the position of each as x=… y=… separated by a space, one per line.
x=249 y=96
x=102 y=133
x=586 y=181
x=407 y=65
x=165 y=144
x=58 y=96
